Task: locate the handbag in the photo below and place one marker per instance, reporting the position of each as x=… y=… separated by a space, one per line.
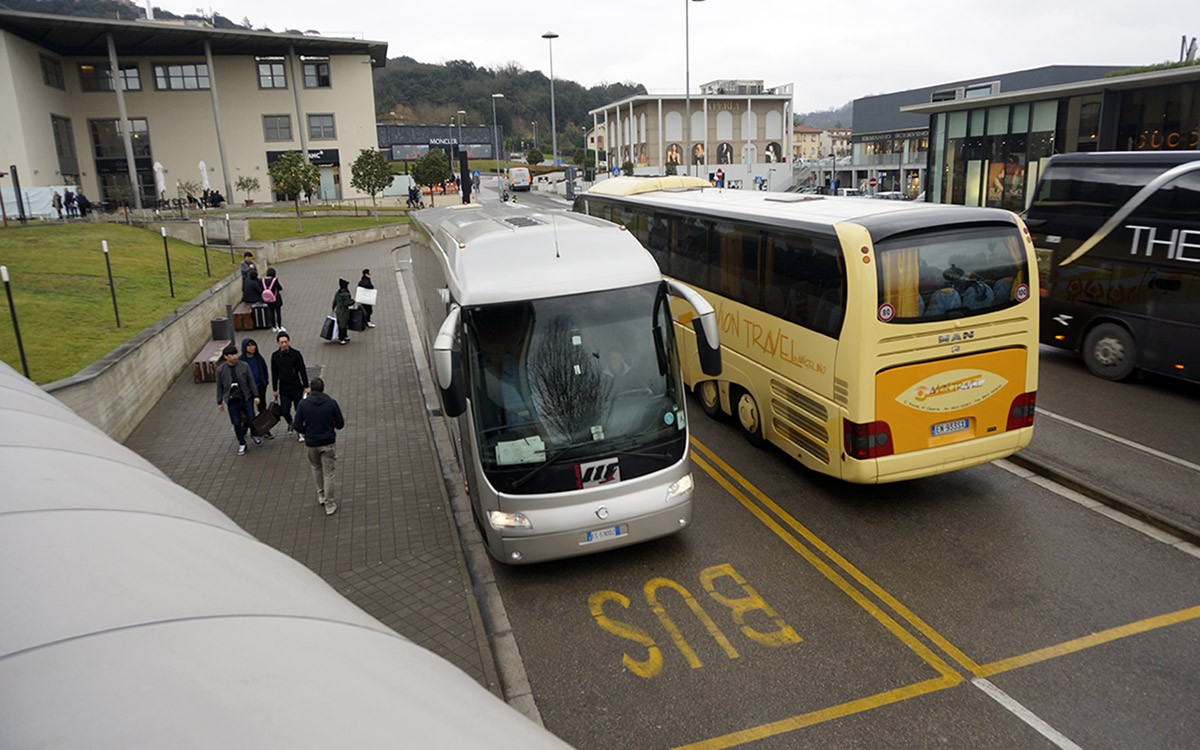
x=265 y=422
x=358 y=319
x=329 y=329
x=364 y=296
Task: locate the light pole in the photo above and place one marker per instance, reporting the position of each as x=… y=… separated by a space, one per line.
x=550 y=36
x=454 y=149
x=496 y=138
x=535 y=143
x=687 y=83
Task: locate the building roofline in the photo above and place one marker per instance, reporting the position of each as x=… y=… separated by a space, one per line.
x=695 y=97
x=74 y=36
x=1097 y=85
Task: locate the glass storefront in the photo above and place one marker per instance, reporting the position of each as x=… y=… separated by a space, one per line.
x=993 y=156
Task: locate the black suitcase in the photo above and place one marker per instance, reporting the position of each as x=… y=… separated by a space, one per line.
x=261 y=315
x=358 y=319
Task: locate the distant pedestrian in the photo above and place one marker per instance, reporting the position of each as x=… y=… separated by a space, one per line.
x=251 y=288
x=365 y=283
x=57 y=203
x=260 y=371
x=272 y=294
x=69 y=202
x=247 y=264
x=237 y=390
x=289 y=377
x=341 y=310
x=82 y=203
x=318 y=418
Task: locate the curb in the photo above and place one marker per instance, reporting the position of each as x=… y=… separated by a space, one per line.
x=514 y=685
x=1131 y=508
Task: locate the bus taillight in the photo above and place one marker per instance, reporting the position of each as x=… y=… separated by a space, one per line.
x=1020 y=414
x=870 y=440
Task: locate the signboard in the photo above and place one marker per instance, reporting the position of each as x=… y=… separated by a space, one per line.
x=873 y=182
x=323 y=157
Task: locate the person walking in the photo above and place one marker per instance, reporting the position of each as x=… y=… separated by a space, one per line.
x=289 y=377
x=259 y=371
x=365 y=283
x=247 y=264
x=318 y=418
x=341 y=310
x=69 y=202
x=237 y=390
x=272 y=294
x=58 y=204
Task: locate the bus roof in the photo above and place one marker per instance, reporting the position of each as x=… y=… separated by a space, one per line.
x=813 y=213
x=1125 y=158
x=499 y=252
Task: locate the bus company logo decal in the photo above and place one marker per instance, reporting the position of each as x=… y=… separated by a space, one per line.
x=596 y=473
x=770 y=341
x=953 y=390
x=950 y=338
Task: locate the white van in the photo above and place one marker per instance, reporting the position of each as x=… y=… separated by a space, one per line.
x=849 y=192
x=518 y=178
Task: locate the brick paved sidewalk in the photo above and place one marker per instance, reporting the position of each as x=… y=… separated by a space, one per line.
x=391 y=548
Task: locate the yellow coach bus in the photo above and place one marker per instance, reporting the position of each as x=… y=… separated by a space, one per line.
x=874 y=341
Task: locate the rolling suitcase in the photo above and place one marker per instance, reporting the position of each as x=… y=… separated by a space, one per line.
x=261 y=314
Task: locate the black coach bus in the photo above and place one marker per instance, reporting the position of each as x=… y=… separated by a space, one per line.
x=1118 y=243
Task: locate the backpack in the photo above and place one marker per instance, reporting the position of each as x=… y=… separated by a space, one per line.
x=267 y=294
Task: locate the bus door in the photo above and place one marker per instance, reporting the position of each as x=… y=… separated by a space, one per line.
x=1172 y=344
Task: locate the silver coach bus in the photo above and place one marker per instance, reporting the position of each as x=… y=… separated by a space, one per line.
x=552 y=342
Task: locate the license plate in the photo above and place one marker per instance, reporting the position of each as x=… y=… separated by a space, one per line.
x=955 y=425
x=599 y=535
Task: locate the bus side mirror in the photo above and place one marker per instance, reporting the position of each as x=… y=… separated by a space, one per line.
x=447 y=365
x=708 y=340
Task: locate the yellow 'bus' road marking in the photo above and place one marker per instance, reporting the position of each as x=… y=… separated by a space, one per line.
x=884 y=619
x=793 y=723
x=1087 y=641
x=921 y=626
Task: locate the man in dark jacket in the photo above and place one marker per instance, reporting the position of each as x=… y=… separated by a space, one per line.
x=318 y=418
x=236 y=387
x=289 y=377
x=366 y=283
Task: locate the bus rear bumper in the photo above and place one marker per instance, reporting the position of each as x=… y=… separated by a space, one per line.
x=940 y=460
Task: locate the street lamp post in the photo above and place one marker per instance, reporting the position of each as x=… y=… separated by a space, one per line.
x=687 y=84
x=535 y=141
x=496 y=138
x=550 y=36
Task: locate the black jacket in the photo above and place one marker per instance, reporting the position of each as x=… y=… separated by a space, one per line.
x=288 y=373
x=318 y=418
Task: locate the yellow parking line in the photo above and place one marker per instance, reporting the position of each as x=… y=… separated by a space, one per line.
x=921 y=626
x=1087 y=641
x=793 y=723
x=884 y=619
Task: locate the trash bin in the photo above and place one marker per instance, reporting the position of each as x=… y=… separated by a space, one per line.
x=220 y=329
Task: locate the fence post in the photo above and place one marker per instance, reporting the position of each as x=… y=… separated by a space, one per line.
x=12 y=309
x=167 y=252
x=111 y=287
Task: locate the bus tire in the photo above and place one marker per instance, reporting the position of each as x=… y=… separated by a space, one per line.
x=749 y=418
x=709 y=393
x=1110 y=352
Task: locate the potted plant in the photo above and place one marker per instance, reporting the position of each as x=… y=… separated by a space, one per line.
x=247 y=185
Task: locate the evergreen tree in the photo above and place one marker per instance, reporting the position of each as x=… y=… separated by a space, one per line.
x=294 y=175
x=371 y=174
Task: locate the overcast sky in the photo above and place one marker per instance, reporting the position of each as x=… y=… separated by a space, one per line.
x=832 y=51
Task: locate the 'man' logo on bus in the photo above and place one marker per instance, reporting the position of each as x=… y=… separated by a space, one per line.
x=595 y=473
x=950 y=338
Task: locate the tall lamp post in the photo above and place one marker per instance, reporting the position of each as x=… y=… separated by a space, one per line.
x=550 y=36
x=535 y=143
x=496 y=138
x=687 y=83
x=454 y=149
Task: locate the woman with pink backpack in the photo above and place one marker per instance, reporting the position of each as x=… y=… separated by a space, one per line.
x=272 y=295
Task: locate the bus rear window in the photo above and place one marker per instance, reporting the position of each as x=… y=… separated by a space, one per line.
x=950 y=274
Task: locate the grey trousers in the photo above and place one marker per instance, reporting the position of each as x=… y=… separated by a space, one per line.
x=323 y=460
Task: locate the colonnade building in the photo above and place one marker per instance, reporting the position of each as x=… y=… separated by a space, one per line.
x=739 y=128
x=96 y=103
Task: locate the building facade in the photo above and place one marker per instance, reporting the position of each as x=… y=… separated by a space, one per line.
x=806 y=142
x=183 y=94
x=746 y=136
x=891 y=141
x=990 y=151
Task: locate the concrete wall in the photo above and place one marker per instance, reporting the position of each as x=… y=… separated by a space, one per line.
x=117 y=391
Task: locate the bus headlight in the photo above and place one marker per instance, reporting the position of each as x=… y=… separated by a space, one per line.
x=681 y=487
x=501 y=520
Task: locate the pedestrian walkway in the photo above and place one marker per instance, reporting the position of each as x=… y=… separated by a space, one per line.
x=392 y=547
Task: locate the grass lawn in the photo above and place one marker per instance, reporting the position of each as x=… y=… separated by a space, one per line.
x=60 y=289
x=262 y=230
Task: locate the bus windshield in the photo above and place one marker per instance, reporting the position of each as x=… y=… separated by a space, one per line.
x=950 y=274
x=573 y=376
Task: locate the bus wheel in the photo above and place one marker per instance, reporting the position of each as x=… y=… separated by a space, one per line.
x=1110 y=352
x=749 y=418
x=709 y=393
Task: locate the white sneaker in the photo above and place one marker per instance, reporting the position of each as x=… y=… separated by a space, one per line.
x=300 y=439
x=242 y=450
x=330 y=507
x=370 y=325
